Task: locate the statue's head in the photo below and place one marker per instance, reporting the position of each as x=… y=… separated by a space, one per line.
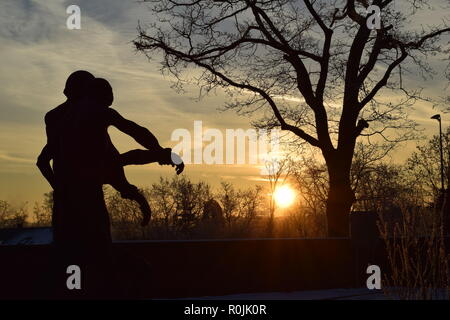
x=77 y=83
x=100 y=92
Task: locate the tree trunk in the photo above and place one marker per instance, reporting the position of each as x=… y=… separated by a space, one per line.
x=340 y=196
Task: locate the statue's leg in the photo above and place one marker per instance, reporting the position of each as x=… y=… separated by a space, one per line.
x=118 y=181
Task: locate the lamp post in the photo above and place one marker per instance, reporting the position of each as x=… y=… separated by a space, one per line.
x=438 y=118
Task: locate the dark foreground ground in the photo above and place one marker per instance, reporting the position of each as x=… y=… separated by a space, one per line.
x=178 y=269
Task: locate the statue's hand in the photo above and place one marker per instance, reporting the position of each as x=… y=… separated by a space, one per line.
x=178 y=162
x=171 y=158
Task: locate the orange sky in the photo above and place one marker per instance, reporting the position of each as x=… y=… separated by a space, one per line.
x=38 y=52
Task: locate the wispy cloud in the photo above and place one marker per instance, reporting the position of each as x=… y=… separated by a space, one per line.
x=37 y=54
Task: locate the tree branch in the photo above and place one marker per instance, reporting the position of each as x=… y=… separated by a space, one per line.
x=384 y=79
x=284 y=126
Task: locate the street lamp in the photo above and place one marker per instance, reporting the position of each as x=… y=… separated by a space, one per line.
x=438 y=118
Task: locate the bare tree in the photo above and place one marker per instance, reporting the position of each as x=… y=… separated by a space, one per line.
x=5 y=211
x=228 y=199
x=163 y=203
x=43 y=211
x=314 y=64
x=311 y=180
x=278 y=170
x=249 y=203
x=424 y=165
x=12 y=216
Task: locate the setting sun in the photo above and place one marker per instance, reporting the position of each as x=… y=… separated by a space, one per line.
x=284 y=196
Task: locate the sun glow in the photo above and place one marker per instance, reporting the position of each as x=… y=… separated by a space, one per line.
x=284 y=196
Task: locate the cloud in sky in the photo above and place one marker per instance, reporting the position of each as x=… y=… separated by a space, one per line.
x=38 y=52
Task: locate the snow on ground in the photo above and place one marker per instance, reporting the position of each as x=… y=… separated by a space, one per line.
x=26 y=236
x=330 y=294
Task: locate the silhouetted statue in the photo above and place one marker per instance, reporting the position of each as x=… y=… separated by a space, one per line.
x=84 y=158
x=99 y=94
